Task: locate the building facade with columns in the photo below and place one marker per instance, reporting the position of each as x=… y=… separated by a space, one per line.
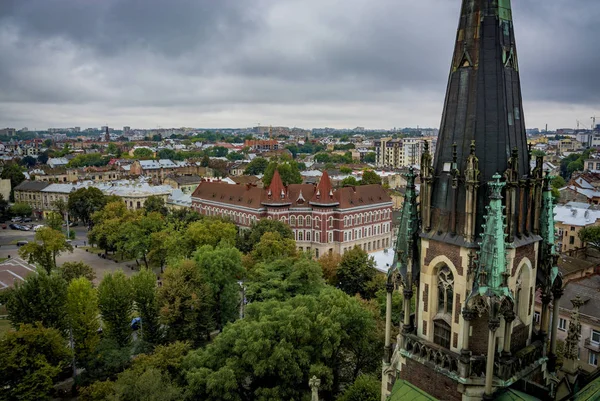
x=323 y=219
x=471 y=254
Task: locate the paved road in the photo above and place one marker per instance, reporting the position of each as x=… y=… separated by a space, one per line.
x=101 y=266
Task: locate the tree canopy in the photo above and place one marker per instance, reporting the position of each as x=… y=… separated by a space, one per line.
x=288 y=170
x=84 y=202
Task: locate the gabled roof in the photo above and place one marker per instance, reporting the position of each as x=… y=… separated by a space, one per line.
x=361 y=195
x=31 y=186
x=324 y=193
x=235 y=195
x=405 y=391
x=276 y=192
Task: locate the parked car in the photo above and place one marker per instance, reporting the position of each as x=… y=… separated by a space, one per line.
x=27 y=220
x=14 y=226
x=38 y=227
x=21 y=243
x=16 y=219
x=24 y=228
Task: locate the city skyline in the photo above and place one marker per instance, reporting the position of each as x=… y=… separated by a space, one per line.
x=299 y=63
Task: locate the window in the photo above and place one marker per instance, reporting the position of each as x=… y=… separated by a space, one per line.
x=445 y=290
x=593 y=359
x=572 y=228
x=308 y=235
x=300 y=236
x=317 y=253
x=562 y=324
x=345 y=235
x=536 y=317
x=571 y=240
x=330 y=222
x=293 y=221
x=308 y=221
x=300 y=221
x=595 y=338
x=317 y=239
x=441 y=333
x=330 y=237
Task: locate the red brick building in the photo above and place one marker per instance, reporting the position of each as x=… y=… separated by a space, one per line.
x=323 y=219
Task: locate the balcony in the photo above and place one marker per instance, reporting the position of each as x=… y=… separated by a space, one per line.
x=592 y=346
x=449 y=363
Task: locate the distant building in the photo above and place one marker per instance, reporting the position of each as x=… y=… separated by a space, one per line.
x=261 y=145
x=403 y=152
x=569 y=220
x=186 y=183
x=323 y=220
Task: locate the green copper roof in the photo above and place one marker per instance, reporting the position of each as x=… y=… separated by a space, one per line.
x=590 y=392
x=547 y=228
x=407 y=243
x=404 y=391
x=515 y=395
x=491 y=272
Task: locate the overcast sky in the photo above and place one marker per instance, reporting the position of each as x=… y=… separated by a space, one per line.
x=305 y=63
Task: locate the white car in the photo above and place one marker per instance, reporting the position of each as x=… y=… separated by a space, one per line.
x=38 y=227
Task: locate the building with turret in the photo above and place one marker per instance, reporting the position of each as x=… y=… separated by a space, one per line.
x=472 y=253
x=323 y=219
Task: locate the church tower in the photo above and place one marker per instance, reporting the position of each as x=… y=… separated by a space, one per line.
x=470 y=256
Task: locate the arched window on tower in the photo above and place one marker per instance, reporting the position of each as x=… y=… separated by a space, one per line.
x=443 y=318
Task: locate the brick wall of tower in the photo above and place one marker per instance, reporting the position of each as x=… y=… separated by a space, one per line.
x=479 y=335
x=430 y=381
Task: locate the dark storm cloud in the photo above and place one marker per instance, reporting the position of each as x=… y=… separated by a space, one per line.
x=235 y=61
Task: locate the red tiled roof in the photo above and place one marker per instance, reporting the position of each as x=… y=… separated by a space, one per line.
x=234 y=195
x=276 y=193
x=324 y=193
x=361 y=195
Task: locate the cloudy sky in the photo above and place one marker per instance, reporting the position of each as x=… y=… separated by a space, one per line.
x=305 y=63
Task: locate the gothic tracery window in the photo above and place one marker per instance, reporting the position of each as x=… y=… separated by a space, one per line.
x=445 y=290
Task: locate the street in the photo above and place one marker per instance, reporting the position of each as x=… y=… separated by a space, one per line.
x=8 y=248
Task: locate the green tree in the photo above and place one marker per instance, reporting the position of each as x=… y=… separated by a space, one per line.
x=257 y=166
x=74 y=270
x=329 y=263
x=4 y=211
x=82 y=312
x=205 y=161
x=84 y=202
x=284 y=278
x=43 y=157
x=88 y=159
x=370 y=157
x=155 y=204
x=370 y=177
x=47 y=245
x=21 y=209
x=60 y=206
x=31 y=359
x=345 y=170
x=349 y=182
x=112 y=149
x=221 y=267
x=40 y=298
x=288 y=170
x=185 y=303
x=115 y=302
x=143 y=153
x=233 y=156
x=107 y=231
x=28 y=161
x=47 y=143
x=355 y=272
x=247 y=239
x=136 y=239
x=161 y=244
x=590 y=236
x=14 y=173
x=365 y=388
x=146 y=303
x=322 y=158
x=210 y=231
x=54 y=221
x=166 y=154
x=218 y=151
x=278 y=345
x=273 y=246
x=558 y=182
